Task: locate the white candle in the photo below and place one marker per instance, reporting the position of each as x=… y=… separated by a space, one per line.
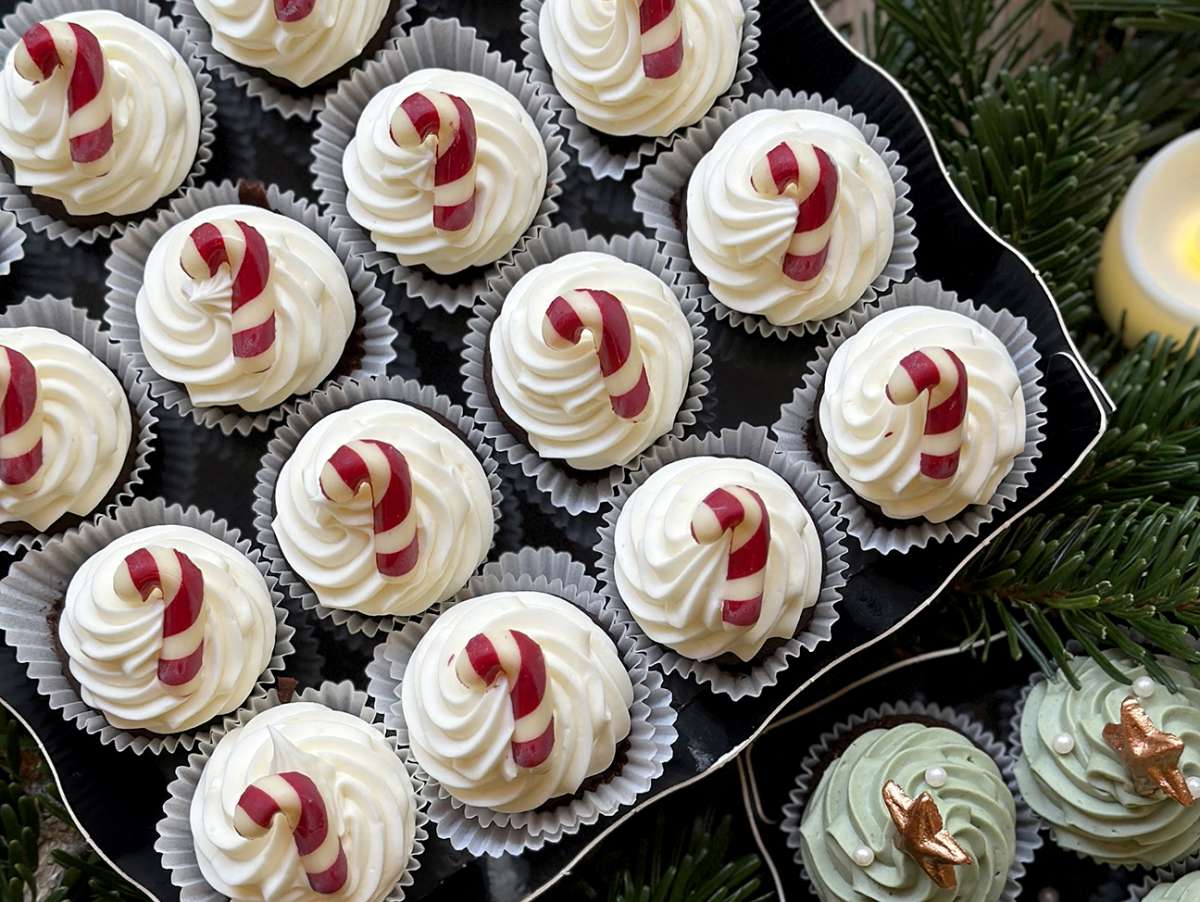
x=1149 y=276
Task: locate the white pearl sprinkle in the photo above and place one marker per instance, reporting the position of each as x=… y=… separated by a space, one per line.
x=936 y=777
x=863 y=857
x=1049 y=894
x=1143 y=687
x=1064 y=743
x=1193 y=785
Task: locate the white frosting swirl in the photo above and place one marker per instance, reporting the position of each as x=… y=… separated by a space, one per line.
x=187 y=327
x=86 y=430
x=335 y=32
x=594 y=51
x=113 y=645
x=462 y=737
x=673 y=584
x=875 y=445
x=156 y=123
x=390 y=188
x=738 y=238
x=332 y=547
x=367 y=792
x=557 y=395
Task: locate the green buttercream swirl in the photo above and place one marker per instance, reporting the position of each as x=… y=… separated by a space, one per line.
x=847 y=812
x=1186 y=889
x=1086 y=795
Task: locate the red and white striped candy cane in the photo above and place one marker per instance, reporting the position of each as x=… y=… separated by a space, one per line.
x=603 y=314
x=385 y=470
x=20 y=419
x=241 y=247
x=53 y=43
x=940 y=372
x=518 y=657
x=450 y=120
x=661 y=24
x=293 y=10
x=294 y=795
x=739 y=511
x=181 y=583
x=811 y=175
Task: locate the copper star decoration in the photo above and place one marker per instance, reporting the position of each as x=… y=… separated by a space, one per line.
x=923 y=835
x=1151 y=756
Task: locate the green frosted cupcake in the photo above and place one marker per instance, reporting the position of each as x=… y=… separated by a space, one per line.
x=912 y=808
x=1186 y=889
x=1074 y=770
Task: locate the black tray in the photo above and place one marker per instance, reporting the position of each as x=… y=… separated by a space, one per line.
x=116 y=798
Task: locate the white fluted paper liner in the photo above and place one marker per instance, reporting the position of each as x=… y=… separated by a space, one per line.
x=302 y=104
x=126 y=265
x=447 y=44
x=751 y=443
x=796 y=420
x=568 y=490
x=481 y=831
x=661 y=192
x=343 y=394
x=62 y=316
x=594 y=153
x=12 y=242
x=15 y=199
x=1029 y=840
x=1163 y=875
x=175 y=842
x=34 y=590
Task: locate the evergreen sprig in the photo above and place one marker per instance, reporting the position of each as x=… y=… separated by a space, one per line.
x=1160 y=15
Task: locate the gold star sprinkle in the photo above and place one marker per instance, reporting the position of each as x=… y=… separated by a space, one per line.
x=923 y=835
x=1151 y=756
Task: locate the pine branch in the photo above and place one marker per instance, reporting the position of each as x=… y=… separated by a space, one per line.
x=1181 y=16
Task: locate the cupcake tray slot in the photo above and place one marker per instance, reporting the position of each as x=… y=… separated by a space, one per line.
x=116 y=797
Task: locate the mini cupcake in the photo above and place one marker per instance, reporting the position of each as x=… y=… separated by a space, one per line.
x=238 y=299
x=128 y=135
x=1114 y=768
x=351 y=826
x=290 y=53
x=436 y=160
x=790 y=216
x=631 y=70
x=383 y=509
x=910 y=802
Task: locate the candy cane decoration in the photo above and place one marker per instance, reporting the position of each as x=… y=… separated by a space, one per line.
x=940 y=372
x=294 y=795
x=449 y=120
x=661 y=24
x=809 y=174
x=243 y=249
x=739 y=511
x=516 y=656
x=605 y=317
x=53 y=43
x=293 y=10
x=20 y=419
x=385 y=470
x=179 y=580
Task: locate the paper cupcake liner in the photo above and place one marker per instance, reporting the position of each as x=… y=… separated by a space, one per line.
x=481 y=831
x=593 y=147
x=15 y=199
x=301 y=105
x=663 y=187
x=126 y=265
x=175 y=842
x=796 y=417
x=751 y=443
x=12 y=242
x=567 y=490
x=35 y=586
x=1029 y=840
x=442 y=43
x=61 y=316
x=341 y=395
x=1168 y=874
